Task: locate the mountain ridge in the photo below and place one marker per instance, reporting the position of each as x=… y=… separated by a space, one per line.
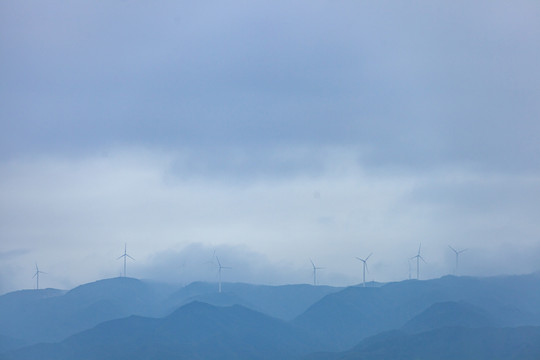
x=196 y=330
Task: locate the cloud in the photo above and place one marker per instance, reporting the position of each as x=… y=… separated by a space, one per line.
x=12 y=254
x=215 y=124
x=8 y=275
x=198 y=262
x=76 y=215
x=414 y=86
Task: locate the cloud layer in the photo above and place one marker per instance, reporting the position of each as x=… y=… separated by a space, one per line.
x=76 y=215
x=280 y=130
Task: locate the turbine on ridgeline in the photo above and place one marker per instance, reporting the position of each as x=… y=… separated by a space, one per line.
x=457 y=252
x=220 y=267
x=315 y=268
x=365 y=267
x=125 y=256
x=36 y=275
x=418 y=257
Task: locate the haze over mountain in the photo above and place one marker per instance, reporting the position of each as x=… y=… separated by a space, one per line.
x=51 y=315
x=283 y=302
x=280 y=142
x=449 y=343
x=344 y=318
x=450 y=314
x=195 y=331
x=356 y=322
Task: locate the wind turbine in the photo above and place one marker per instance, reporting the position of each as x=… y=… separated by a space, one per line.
x=219 y=271
x=36 y=275
x=364 y=267
x=125 y=255
x=418 y=257
x=315 y=272
x=457 y=252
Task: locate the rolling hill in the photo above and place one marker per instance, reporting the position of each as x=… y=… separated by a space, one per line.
x=283 y=302
x=343 y=319
x=195 y=331
x=52 y=315
x=448 y=343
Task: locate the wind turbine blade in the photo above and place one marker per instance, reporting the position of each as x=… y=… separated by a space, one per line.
x=368 y=256
x=367 y=269
x=121 y=256
x=34 y=275
x=463 y=250
x=454 y=250
x=312 y=264
x=422 y=259
x=130 y=257
x=359 y=259
x=219 y=263
x=419 y=247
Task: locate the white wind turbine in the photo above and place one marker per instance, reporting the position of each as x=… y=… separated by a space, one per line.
x=457 y=252
x=315 y=268
x=418 y=257
x=36 y=275
x=365 y=267
x=125 y=255
x=219 y=271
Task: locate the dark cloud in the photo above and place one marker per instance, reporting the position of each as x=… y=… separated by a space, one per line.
x=415 y=86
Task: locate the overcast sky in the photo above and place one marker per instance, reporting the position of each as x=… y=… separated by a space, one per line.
x=270 y=132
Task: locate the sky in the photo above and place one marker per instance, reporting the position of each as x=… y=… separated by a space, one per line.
x=267 y=133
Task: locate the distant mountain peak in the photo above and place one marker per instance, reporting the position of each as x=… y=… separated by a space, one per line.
x=449 y=314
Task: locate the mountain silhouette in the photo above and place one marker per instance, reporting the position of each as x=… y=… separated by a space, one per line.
x=282 y=301
x=449 y=343
x=195 y=331
x=161 y=320
x=52 y=315
x=343 y=319
x=449 y=314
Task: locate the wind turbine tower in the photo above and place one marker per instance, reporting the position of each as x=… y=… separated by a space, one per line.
x=315 y=268
x=418 y=257
x=220 y=267
x=457 y=252
x=365 y=267
x=36 y=275
x=125 y=256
